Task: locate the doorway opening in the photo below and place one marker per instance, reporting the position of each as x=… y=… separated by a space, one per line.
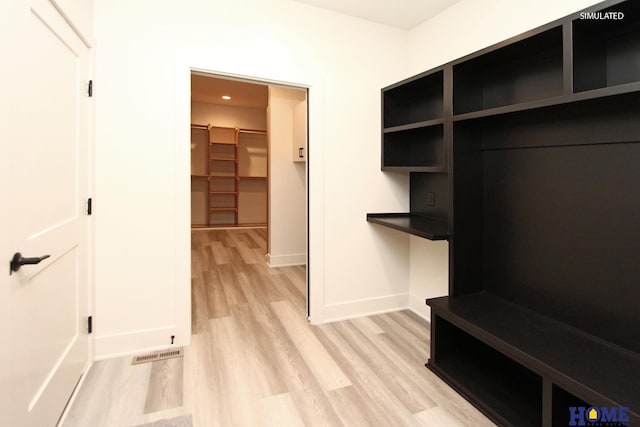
x=249 y=173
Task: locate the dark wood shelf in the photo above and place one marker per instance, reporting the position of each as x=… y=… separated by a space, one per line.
x=429 y=228
x=200 y=176
x=416 y=125
x=595 y=94
x=592 y=369
x=515 y=108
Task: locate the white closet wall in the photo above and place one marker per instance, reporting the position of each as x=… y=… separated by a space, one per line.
x=287 y=182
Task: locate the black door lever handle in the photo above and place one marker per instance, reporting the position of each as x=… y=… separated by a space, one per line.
x=18 y=261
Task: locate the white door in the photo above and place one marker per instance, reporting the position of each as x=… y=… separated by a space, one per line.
x=43 y=146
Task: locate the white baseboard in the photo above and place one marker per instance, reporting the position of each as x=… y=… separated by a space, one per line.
x=418 y=306
x=117 y=345
x=286 y=260
x=365 y=307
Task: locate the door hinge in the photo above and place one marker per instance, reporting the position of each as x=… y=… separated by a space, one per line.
x=89 y=206
x=90 y=90
x=89 y=324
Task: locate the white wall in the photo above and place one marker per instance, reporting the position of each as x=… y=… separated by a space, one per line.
x=287 y=183
x=145 y=50
x=204 y=113
x=466 y=27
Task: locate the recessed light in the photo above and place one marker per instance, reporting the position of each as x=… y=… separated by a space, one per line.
x=226 y=97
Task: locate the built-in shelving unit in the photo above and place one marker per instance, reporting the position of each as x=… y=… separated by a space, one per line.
x=414 y=139
x=229 y=176
x=223 y=176
x=528 y=165
x=413 y=125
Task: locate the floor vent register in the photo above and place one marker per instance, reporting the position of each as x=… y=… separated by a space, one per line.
x=158 y=355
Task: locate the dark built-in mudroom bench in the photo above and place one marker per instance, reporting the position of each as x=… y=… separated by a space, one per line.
x=508 y=360
x=525 y=157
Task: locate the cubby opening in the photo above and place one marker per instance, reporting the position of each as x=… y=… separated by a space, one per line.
x=416 y=148
x=606 y=52
x=496 y=383
x=562 y=400
x=526 y=70
x=222 y=151
x=223 y=217
x=220 y=200
x=222 y=135
x=223 y=168
x=415 y=101
x=534 y=193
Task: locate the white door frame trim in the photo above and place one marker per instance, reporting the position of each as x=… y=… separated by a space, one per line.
x=315 y=181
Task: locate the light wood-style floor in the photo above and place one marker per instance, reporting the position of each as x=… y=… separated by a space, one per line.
x=256 y=361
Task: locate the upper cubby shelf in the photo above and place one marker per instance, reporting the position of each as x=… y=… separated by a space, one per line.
x=524 y=71
x=416 y=149
x=419 y=99
x=604 y=94
x=606 y=52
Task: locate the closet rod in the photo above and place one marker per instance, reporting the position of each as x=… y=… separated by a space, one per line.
x=257 y=131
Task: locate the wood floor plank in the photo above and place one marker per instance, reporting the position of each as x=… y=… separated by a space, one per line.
x=233 y=386
x=367 y=326
x=115 y=395
x=309 y=398
x=199 y=309
x=266 y=373
x=401 y=385
x=384 y=407
x=214 y=295
x=278 y=411
x=165 y=385
x=290 y=292
x=437 y=417
x=352 y=407
x=320 y=361
x=219 y=254
x=200 y=379
x=227 y=279
x=412 y=323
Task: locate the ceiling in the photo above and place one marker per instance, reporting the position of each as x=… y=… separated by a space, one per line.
x=211 y=89
x=405 y=14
